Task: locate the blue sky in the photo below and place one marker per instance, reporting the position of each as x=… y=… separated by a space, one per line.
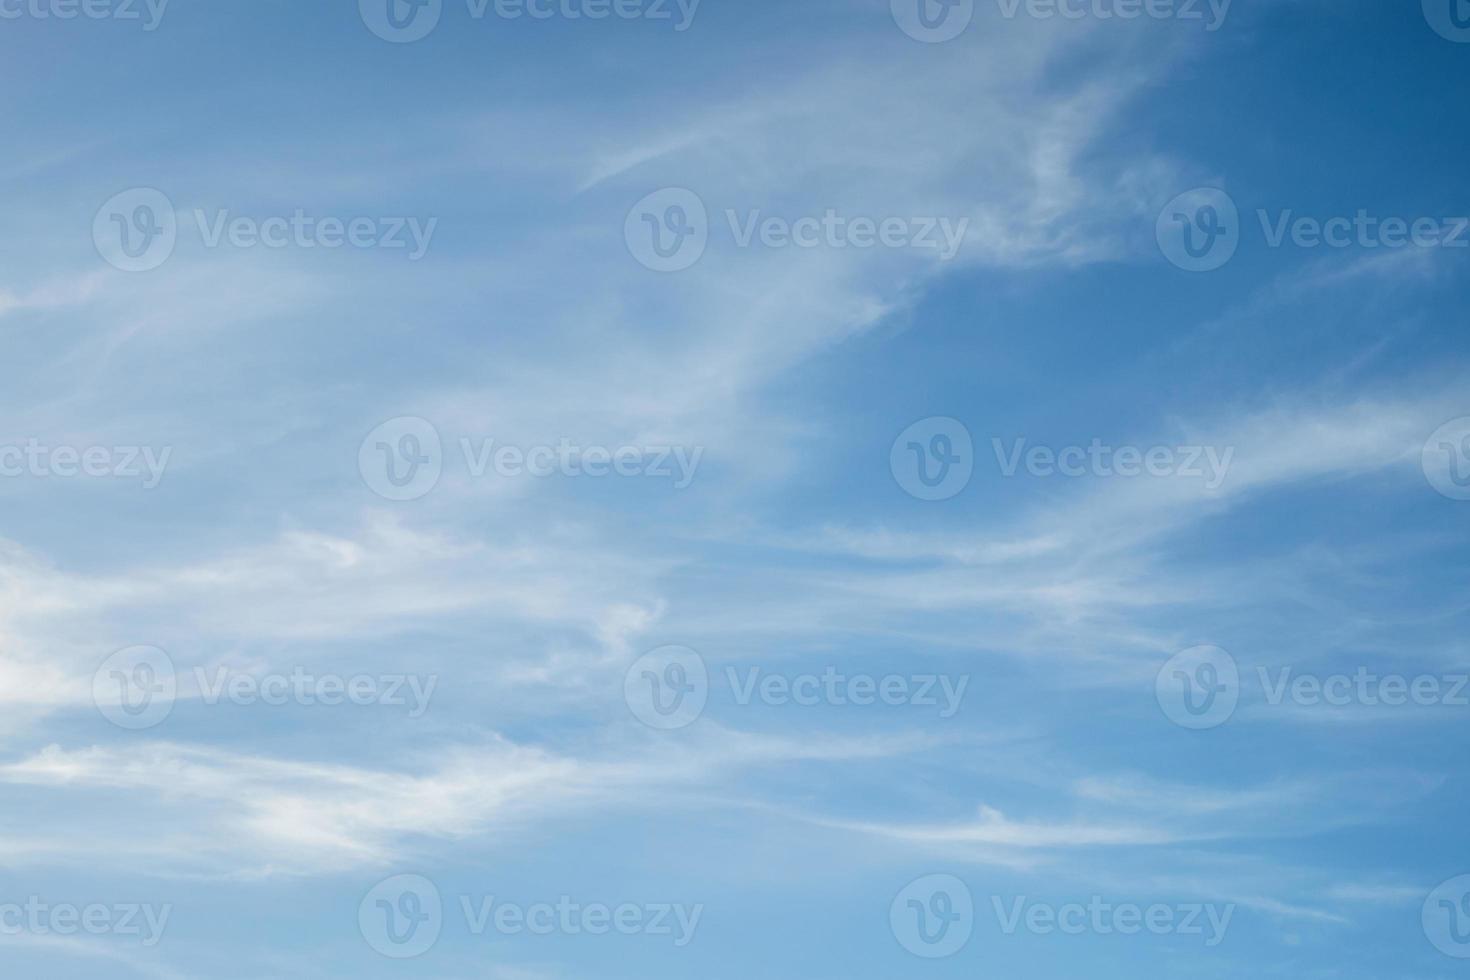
x=805 y=580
